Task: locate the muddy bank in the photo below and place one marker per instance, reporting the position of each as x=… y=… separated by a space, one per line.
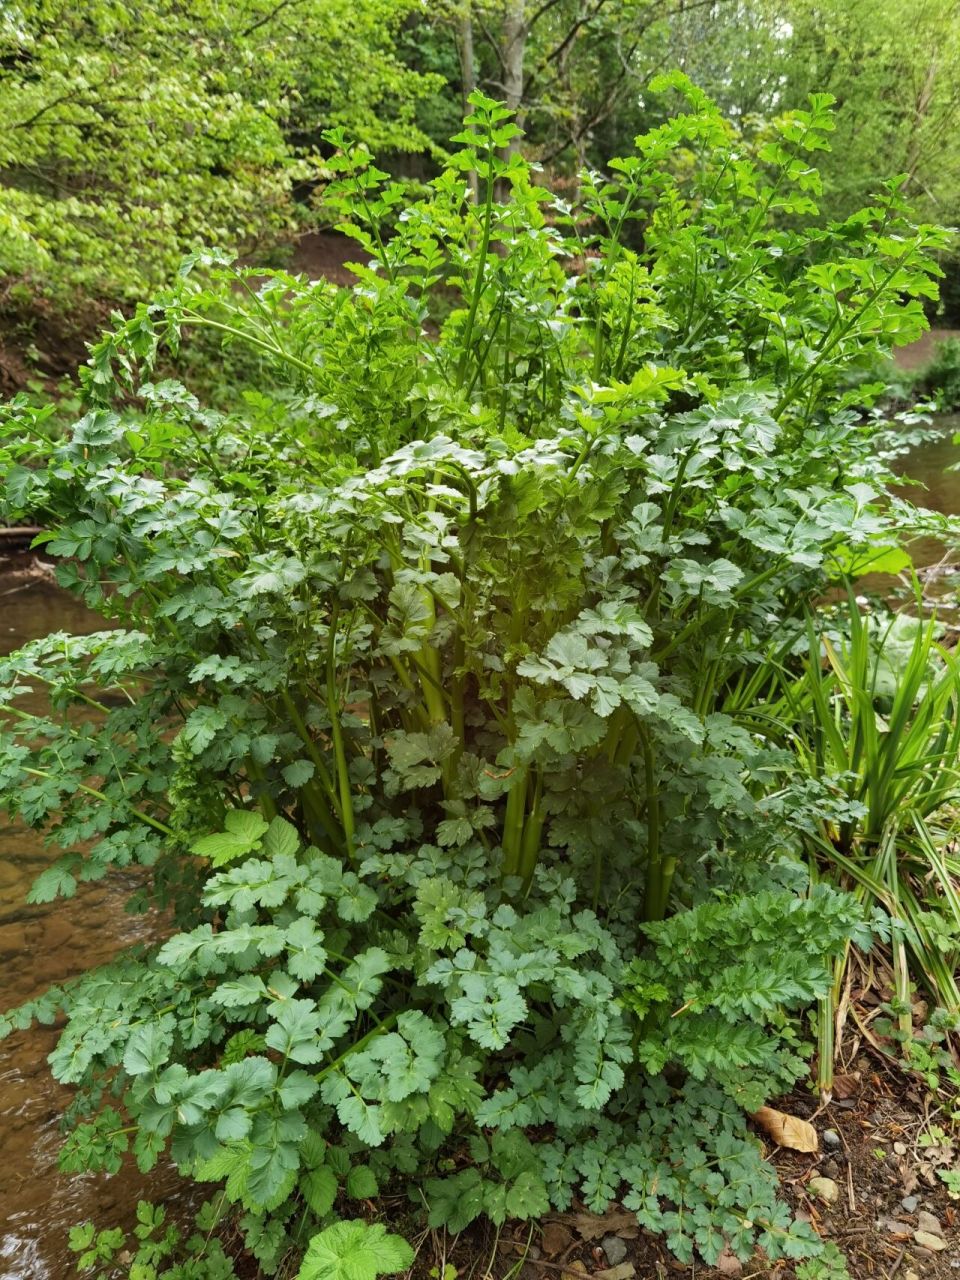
x=920 y=353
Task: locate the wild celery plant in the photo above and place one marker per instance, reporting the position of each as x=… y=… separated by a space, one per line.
x=413 y=712
x=875 y=717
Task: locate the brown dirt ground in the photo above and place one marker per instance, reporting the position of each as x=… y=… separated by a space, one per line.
x=325 y=254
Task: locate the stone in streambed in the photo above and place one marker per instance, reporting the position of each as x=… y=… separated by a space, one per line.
x=927 y=1240
x=825 y=1189
x=614 y=1249
x=927 y=1222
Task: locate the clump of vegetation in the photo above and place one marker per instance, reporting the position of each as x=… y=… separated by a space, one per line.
x=872 y=711
x=419 y=716
x=939 y=381
x=135 y=135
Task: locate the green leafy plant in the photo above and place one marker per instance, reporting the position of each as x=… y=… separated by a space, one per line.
x=354 y=1251
x=157 y=1248
x=939 y=380
x=874 y=717
x=416 y=710
x=135 y=138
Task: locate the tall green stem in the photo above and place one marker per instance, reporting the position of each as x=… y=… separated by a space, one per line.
x=479 y=281
x=659 y=874
x=513 y=823
x=336 y=729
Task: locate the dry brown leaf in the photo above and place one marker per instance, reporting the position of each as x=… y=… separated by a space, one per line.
x=846 y=1086
x=555 y=1239
x=575 y=1270
x=623 y=1271
x=729 y=1264
x=786 y=1130
x=616 y=1222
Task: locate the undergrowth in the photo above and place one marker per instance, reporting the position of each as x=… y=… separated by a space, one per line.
x=423 y=710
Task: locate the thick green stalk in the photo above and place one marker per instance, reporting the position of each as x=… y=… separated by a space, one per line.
x=427 y=662
x=478 y=283
x=659 y=874
x=264 y=799
x=336 y=729
x=456 y=694
x=618 y=725
x=513 y=823
x=826 y=1013
x=313 y=751
x=318 y=816
x=532 y=832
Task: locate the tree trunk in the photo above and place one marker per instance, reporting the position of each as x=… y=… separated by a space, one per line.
x=514 y=48
x=468 y=76
x=924 y=100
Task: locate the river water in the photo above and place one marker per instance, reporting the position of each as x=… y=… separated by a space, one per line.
x=41 y=945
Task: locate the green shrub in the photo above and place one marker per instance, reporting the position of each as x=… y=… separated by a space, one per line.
x=137 y=134
x=874 y=719
x=939 y=380
x=415 y=714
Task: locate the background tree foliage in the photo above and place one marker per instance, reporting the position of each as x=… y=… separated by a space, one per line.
x=137 y=132
x=133 y=132
x=577 y=69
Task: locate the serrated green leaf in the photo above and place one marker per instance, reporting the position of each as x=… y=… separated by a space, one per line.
x=354 y=1251
x=281 y=839
x=361 y=1182
x=242 y=835
x=319 y=1188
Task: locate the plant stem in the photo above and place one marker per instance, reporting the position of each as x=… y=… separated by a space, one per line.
x=478 y=283
x=339 y=751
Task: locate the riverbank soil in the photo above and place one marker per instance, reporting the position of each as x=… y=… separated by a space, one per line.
x=887 y=1211
x=921 y=352
x=323 y=255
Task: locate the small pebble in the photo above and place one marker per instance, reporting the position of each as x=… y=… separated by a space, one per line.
x=910 y=1275
x=830 y=1169
x=825 y=1189
x=927 y=1222
x=927 y=1240
x=910 y=1203
x=615 y=1249
x=900 y=1148
x=831 y=1138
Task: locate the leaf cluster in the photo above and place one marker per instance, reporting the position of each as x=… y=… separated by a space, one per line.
x=426 y=703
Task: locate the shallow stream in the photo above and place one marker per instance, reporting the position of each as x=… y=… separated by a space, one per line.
x=40 y=946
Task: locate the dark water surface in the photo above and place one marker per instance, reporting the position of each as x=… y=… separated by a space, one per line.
x=41 y=945
x=938 y=489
